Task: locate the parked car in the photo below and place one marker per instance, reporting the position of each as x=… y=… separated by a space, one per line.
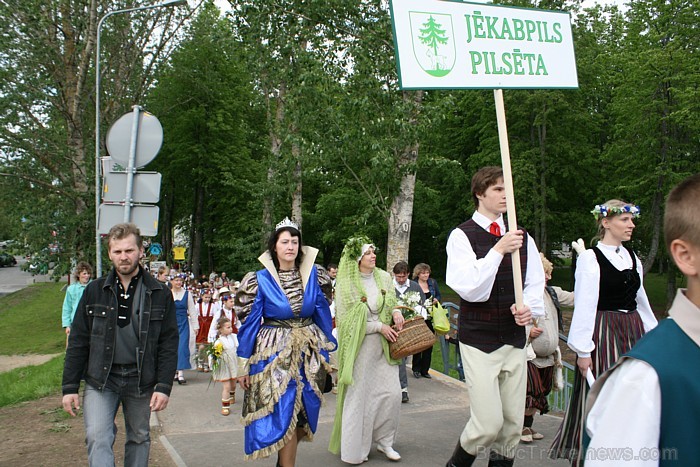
x=7 y=259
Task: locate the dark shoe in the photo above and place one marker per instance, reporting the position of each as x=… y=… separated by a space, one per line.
x=416 y=374
x=404 y=397
x=427 y=375
x=497 y=460
x=181 y=380
x=460 y=458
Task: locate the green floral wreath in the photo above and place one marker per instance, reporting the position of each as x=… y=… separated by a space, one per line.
x=353 y=246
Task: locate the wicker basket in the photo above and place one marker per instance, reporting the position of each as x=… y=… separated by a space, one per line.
x=413 y=338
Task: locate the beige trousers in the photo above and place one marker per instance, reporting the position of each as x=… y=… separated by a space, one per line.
x=497 y=385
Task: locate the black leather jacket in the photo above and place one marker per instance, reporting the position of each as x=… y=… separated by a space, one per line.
x=92 y=338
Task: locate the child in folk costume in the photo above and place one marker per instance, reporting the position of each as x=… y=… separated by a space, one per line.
x=224 y=311
x=207 y=308
x=226 y=366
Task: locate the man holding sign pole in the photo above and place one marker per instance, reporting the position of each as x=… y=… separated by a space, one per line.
x=491 y=325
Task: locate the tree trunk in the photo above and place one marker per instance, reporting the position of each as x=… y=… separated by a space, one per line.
x=167 y=227
x=401 y=209
x=656 y=226
x=656 y=213
x=401 y=214
x=276 y=152
x=197 y=225
x=297 y=195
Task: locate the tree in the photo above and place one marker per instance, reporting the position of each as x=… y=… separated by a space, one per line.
x=202 y=98
x=47 y=50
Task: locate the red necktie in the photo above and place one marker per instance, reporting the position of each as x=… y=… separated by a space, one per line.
x=495 y=229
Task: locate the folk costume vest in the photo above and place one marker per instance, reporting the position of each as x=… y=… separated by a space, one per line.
x=666 y=348
x=618 y=289
x=490 y=325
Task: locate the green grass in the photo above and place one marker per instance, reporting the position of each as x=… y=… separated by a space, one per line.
x=436 y=359
x=30 y=321
x=31 y=382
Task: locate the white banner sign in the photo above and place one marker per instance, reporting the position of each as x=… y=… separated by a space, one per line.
x=442 y=44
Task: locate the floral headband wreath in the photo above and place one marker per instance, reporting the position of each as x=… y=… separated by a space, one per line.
x=601 y=210
x=356 y=247
x=179 y=276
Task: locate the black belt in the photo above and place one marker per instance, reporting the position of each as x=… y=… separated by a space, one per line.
x=124 y=366
x=288 y=323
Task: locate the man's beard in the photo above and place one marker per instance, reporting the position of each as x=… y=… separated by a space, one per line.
x=131 y=268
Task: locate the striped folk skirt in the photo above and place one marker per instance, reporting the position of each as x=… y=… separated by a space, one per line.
x=539 y=385
x=615 y=333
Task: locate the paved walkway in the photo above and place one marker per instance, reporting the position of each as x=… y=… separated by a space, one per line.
x=196 y=434
x=12 y=278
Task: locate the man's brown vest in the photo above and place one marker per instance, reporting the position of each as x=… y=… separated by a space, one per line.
x=489 y=325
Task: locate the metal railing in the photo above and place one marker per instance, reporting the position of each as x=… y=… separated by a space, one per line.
x=451 y=360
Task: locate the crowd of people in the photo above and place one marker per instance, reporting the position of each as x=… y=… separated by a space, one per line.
x=294 y=330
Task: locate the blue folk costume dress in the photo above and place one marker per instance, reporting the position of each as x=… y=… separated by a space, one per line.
x=183 y=326
x=283 y=345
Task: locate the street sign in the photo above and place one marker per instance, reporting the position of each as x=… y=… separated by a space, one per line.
x=149 y=139
x=146 y=187
x=145 y=218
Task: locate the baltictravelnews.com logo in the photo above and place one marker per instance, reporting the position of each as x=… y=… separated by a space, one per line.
x=433 y=42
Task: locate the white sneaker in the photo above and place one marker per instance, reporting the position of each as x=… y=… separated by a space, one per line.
x=389 y=452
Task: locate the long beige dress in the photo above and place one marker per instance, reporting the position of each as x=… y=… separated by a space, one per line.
x=373 y=402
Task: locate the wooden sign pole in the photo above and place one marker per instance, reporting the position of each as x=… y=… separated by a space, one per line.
x=510 y=194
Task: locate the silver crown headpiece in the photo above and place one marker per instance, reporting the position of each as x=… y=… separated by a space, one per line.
x=286 y=222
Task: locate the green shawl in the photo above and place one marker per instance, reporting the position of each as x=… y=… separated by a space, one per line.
x=351 y=322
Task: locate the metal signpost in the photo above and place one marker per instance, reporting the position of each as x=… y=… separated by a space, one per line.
x=132 y=142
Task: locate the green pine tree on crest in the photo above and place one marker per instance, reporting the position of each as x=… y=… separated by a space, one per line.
x=432 y=34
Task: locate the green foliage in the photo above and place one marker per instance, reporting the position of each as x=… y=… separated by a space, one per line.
x=30 y=321
x=209 y=161
x=47 y=115
x=31 y=382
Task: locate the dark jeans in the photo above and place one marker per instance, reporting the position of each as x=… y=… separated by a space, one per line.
x=421 y=361
x=100 y=410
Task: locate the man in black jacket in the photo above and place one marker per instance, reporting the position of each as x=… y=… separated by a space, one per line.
x=123 y=342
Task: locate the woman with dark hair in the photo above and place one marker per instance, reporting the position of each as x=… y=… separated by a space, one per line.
x=283 y=346
x=611 y=313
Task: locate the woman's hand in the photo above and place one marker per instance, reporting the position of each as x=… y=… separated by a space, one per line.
x=389 y=333
x=244 y=381
x=584 y=364
x=535 y=332
x=398 y=320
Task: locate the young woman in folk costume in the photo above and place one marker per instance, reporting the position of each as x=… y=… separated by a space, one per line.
x=611 y=313
x=187 y=323
x=207 y=309
x=284 y=340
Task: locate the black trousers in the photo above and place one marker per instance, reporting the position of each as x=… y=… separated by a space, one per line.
x=421 y=361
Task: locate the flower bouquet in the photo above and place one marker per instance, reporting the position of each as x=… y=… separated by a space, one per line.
x=214 y=351
x=411 y=306
x=415 y=335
